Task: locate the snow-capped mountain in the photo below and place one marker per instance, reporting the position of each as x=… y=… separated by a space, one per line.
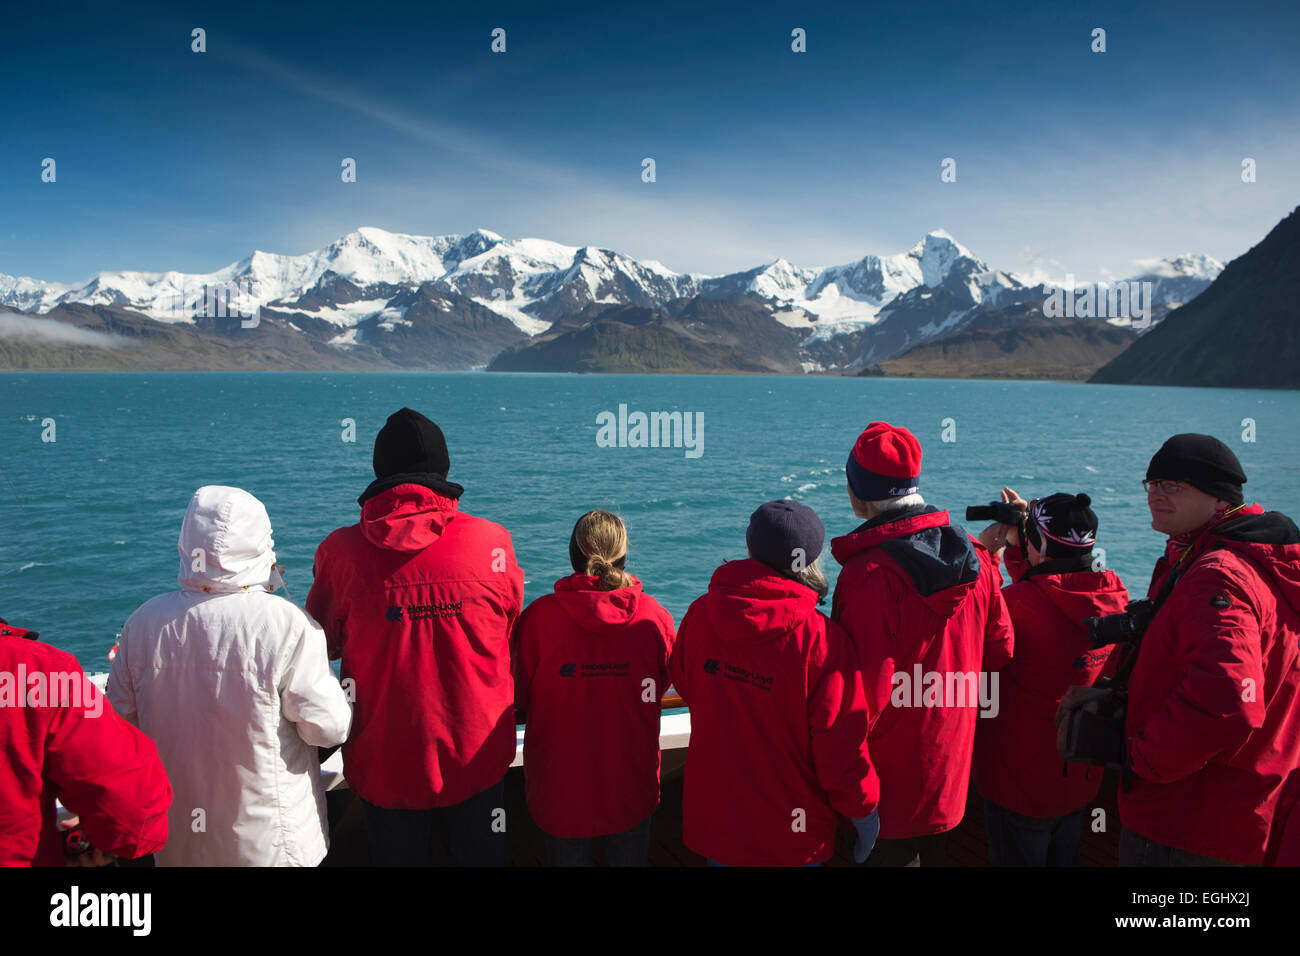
x=1177 y=281
x=29 y=295
x=528 y=281
x=358 y=289
x=845 y=298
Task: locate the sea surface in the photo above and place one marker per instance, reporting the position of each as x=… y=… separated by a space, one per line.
x=89 y=521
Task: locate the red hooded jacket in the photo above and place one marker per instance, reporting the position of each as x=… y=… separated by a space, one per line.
x=590 y=669
x=1213 y=720
x=62 y=740
x=778 y=722
x=921 y=600
x=419 y=600
x=1016 y=762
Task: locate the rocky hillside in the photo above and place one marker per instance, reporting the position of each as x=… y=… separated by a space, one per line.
x=686 y=335
x=1068 y=351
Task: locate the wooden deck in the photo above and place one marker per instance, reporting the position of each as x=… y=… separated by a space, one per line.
x=967 y=845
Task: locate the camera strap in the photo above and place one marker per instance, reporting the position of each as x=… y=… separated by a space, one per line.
x=1125 y=670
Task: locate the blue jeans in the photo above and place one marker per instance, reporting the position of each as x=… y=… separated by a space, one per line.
x=469 y=833
x=1137 y=850
x=629 y=848
x=1018 y=840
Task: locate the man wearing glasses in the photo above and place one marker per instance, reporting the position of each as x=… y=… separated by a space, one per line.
x=1213 y=723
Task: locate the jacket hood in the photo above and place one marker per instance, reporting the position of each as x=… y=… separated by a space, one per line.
x=225 y=543
x=940 y=558
x=592 y=609
x=749 y=603
x=406 y=517
x=1271 y=542
x=1080 y=594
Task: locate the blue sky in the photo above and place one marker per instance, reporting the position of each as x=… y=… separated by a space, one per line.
x=1066 y=160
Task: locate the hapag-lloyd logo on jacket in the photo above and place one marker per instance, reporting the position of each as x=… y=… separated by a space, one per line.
x=742 y=674
x=1091 y=659
x=599 y=669
x=423 y=612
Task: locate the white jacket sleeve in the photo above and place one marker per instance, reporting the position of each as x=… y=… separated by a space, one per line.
x=310 y=694
x=121 y=693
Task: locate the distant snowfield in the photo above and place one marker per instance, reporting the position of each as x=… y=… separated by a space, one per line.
x=350 y=313
x=516 y=277
x=838 y=314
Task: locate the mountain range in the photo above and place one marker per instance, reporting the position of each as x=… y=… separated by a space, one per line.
x=376 y=299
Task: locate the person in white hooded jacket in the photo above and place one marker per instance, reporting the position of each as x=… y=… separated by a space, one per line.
x=232 y=683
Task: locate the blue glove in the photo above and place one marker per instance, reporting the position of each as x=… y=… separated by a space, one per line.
x=868 y=829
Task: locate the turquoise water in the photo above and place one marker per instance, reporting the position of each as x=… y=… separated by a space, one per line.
x=103 y=502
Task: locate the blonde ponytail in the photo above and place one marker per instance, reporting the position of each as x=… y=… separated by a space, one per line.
x=598 y=549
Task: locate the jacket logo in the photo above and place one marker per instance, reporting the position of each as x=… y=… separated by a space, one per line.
x=742 y=674
x=1220 y=600
x=746 y=676
x=423 y=612
x=598 y=669
x=1091 y=659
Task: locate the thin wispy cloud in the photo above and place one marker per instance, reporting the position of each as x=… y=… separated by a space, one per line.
x=468 y=145
x=49 y=332
x=818 y=158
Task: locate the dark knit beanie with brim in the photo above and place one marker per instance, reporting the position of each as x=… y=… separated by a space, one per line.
x=411 y=449
x=1202 y=461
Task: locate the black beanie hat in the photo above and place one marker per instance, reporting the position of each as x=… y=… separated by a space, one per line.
x=1064 y=523
x=778 y=528
x=409 y=443
x=1202 y=461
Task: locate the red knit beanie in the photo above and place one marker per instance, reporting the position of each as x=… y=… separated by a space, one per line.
x=885 y=463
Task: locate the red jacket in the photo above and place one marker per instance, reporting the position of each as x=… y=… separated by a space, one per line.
x=590 y=669
x=419 y=599
x=1016 y=762
x=1213 y=720
x=778 y=722
x=62 y=740
x=921 y=600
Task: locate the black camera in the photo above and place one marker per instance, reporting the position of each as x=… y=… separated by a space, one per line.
x=1126 y=627
x=998 y=511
